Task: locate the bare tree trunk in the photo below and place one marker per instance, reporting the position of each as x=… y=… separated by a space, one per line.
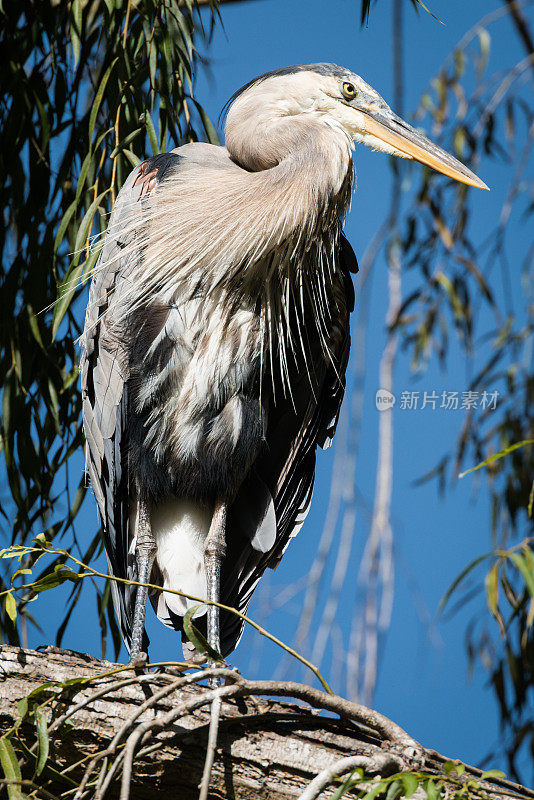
x=266 y=748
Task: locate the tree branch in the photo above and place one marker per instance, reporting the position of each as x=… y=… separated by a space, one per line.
x=153 y=729
x=521 y=25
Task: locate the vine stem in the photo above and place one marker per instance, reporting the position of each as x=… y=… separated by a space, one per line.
x=91 y=572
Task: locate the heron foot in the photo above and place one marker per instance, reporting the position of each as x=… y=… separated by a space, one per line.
x=191 y=654
x=138 y=660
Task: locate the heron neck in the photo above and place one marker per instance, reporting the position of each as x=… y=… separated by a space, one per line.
x=218 y=222
x=301 y=154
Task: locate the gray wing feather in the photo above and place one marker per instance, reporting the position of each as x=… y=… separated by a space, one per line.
x=103 y=369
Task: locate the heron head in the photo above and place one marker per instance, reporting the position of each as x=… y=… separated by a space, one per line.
x=333 y=97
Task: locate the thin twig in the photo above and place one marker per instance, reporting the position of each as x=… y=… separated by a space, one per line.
x=113 y=687
x=370 y=764
x=210 y=748
x=203 y=601
x=412 y=750
x=104 y=783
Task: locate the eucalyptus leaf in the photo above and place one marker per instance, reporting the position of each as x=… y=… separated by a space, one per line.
x=197 y=638
x=43 y=741
x=410 y=783
x=525 y=567
x=76 y=29
x=11 y=607
x=99 y=96
x=501 y=454
x=11 y=769
x=492 y=773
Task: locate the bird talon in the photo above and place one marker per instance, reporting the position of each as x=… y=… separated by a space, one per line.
x=171 y=669
x=138 y=661
x=192 y=655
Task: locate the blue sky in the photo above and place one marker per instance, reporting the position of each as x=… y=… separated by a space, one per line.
x=423 y=683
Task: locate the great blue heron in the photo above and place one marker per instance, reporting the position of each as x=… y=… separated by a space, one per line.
x=216 y=341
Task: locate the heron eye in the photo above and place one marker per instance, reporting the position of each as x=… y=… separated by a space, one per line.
x=349 y=91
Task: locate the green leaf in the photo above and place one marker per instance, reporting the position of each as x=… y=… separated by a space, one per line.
x=56 y=578
x=69 y=284
x=20 y=572
x=410 y=783
x=211 y=133
x=43 y=741
x=132 y=158
x=67 y=216
x=393 y=790
x=80 y=186
x=444 y=280
x=78 y=499
x=375 y=790
x=22 y=708
x=71 y=377
x=431 y=790
x=76 y=29
x=54 y=406
x=41 y=540
x=151 y=132
x=197 y=638
x=44 y=688
x=11 y=607
x=492 y=587
x=495 y=456
x=122 y=144
x=345 y=786
x=34 y=327
x=454 y=766
x=88 y=160
x=525 y=567
x=420 y=2
x=457 y=581
x=492 y=773
x=10 y=552
x=49 y=771
x=485 y=42
x=10 y=765
x=87 y=222
x=98 y=99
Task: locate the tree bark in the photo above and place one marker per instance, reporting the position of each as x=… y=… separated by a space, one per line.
x=266 y=748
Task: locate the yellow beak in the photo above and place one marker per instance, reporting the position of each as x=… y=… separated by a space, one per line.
x=392 y=130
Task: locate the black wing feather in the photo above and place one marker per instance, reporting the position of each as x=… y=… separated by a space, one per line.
x=287 y=468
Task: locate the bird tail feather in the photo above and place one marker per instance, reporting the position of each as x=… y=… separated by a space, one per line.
x=180 y=528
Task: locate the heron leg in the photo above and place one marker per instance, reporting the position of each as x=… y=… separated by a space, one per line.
x=214 y=552
x=145 y=552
